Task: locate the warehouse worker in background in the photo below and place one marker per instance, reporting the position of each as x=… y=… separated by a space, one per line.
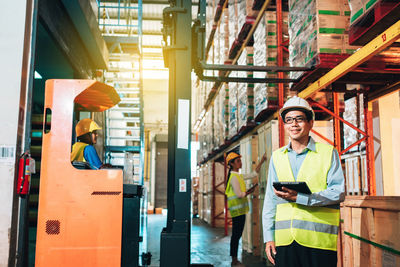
x=83 y=150
x=237 y=199
x=301 y=229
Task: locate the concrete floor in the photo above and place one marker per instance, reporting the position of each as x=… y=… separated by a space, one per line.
x=208 y=245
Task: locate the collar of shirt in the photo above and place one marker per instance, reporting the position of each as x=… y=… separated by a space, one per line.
x=310 y=146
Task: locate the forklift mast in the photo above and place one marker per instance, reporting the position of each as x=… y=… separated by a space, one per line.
x=177 y=47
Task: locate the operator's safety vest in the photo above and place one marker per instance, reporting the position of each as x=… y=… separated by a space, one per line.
x=237 y=206
x=315 y=227
x=77 y=152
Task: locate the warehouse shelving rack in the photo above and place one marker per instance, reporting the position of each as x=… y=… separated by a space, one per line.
x=333 y=78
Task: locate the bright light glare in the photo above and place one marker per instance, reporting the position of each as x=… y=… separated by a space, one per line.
x=37 y=75
x=155 y=74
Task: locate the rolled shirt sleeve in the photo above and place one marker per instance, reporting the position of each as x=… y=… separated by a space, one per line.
x=251 y=175
x=236 y=187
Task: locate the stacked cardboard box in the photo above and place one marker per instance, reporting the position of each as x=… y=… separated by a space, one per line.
x=317 y=26
x=233 y=21
x=244 y=8
x=210 y=13
x=209 y=130
x=260 y=56
x=233 y=109
x=353 y=113
x=265 y=38
x=219 y=118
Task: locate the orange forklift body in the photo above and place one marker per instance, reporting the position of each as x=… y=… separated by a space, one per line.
x=80 y=211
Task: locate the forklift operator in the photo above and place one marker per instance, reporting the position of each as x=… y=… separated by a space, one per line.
x=83 y=150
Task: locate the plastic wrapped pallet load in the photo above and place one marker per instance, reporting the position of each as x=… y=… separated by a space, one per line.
x=246 y=91
x=358 y=8
x=209 y=130
x=317 y=26
x=233 y=21
x=221 y=113
x=260 y=55
x=216 y=129
x=205 y=140
x=260 y=46
x=233 y=108
x=243 y=9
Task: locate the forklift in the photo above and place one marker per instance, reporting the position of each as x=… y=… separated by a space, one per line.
x=89 y=217
x=86 y=217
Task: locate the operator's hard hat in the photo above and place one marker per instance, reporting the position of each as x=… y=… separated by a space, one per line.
x=232 y=156
x=296 y=103
x=86 y=126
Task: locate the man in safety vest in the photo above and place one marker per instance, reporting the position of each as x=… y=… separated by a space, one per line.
x=301 y=229
x=83 y=150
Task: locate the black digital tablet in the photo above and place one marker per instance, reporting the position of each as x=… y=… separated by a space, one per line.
x=300 y=187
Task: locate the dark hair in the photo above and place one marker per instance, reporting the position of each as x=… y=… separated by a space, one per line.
x=308 y=113
x=227 y=177
x=85 y=138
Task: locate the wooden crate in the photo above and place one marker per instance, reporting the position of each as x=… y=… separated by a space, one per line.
x=371 y=231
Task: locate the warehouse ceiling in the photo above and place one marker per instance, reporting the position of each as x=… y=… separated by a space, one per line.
x=114 y=21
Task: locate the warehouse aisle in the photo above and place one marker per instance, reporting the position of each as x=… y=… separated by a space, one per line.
x=208 y=245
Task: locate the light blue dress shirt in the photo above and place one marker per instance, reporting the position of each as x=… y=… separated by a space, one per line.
x=333 y=194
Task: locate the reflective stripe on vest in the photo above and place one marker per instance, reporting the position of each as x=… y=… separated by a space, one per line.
x=315 y=227
x=237 y=206
x=77 y=152
x=312 y=226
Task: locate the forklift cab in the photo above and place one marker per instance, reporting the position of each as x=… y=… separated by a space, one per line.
x=80 y=210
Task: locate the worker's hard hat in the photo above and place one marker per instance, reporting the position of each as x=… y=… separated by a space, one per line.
x=231 y=156
x=86 y=126
x=296 y=103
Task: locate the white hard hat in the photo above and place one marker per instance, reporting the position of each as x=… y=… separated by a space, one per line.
x=296 y=103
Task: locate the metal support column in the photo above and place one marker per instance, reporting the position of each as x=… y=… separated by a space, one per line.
x=214 y=191
x=281 y=89
x=175 y=238
x=226 y=200
x=369 y=146
x=336 y=110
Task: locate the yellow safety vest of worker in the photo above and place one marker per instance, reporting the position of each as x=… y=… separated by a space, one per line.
x=315 y=227
x=237 y=206
x=77 y=152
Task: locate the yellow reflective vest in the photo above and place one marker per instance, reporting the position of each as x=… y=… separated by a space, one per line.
x=77 y=152
x=237 y=206
x=315 y=227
